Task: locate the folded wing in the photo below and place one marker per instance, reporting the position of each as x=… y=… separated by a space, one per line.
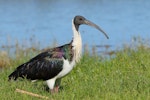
x=44 y=66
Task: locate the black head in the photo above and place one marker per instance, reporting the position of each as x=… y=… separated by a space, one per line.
x=79 y=20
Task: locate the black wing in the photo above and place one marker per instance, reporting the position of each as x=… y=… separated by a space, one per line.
x=44 y=66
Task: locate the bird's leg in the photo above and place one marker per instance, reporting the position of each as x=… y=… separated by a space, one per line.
x=56 y=89
x=51 y=85
x=57 y=85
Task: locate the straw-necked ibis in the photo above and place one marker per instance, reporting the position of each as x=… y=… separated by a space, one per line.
x=57 y=62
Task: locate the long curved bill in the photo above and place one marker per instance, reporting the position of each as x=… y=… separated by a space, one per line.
x=87 y=22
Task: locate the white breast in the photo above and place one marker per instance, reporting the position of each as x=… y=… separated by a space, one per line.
x=77 y=44
x=77 y=49
x=67 y=67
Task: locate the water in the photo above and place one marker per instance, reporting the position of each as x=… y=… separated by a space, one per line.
x=50 y=20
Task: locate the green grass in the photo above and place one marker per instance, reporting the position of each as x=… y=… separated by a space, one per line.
x=123 y=77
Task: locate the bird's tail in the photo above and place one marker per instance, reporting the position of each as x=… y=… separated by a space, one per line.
x=14 y=75
x=17 y=73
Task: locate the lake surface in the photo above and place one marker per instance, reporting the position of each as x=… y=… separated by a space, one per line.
x=50 y=20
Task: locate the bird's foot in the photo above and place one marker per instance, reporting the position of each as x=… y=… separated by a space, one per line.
x=55 y=90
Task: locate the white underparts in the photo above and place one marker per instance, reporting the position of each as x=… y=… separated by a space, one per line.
x=51 y=83
x=68 y=66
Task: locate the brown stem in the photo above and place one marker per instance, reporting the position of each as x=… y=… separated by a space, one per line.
x=31 y=94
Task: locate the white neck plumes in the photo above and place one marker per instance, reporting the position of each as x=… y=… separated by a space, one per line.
x=77 y=43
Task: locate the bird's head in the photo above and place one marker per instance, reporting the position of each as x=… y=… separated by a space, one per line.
x=79 y=20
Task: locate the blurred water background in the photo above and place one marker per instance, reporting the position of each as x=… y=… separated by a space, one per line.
x=46 y=21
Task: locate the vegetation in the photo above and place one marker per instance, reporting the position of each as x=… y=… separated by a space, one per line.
x=124 y=76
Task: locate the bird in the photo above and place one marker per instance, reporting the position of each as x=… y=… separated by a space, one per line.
x=55 y=63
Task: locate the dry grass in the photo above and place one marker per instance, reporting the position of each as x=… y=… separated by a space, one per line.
x=4 y=59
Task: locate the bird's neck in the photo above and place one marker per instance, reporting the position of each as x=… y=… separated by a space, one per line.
x=77 y=43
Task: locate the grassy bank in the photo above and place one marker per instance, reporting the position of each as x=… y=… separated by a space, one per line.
x=123 y=77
